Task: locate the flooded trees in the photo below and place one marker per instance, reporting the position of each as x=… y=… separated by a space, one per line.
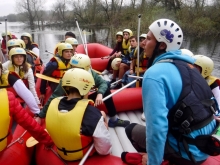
x=30 y=10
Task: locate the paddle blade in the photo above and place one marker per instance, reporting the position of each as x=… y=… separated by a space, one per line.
x=31 y=142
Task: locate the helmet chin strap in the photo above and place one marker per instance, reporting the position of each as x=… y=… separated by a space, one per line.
x=155 y=54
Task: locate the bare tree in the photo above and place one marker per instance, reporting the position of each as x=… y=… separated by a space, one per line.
x=30 y=9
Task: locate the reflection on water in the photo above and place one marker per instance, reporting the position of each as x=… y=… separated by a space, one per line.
x=48 y=38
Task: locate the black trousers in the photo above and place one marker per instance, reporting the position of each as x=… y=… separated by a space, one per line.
x=136 y=133
x=110 y=106
x=109 y=64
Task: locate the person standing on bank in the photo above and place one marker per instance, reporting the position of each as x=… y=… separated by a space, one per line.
x=177 y=102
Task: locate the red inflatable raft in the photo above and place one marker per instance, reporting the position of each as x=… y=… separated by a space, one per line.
x=128 y=99
x=96 y=52
x=17 y=153
x=45 y=157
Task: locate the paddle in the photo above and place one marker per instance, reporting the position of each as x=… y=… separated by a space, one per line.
x=6 y=38
x=31 y=142
x=137 y=77
x=44 y=77
x=49 y=52
x=138 y=48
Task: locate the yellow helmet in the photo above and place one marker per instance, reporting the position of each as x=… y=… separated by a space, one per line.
x=79 y=79
x=8 y=34
x=27 y=35
x=23 y=45
x=115 y=63
x=81 y=61
x=64 y=46
x=119 y=33
x=128 y=31
x=71 y=41
x=15 y=51
x=187 y=52
x=205 y=63
x=13 y=42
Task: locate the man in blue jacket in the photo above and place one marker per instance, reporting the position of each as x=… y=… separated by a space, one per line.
x=173 y=101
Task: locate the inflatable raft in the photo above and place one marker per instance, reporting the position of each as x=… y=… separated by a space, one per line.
x=96 y=52
x=17 y=152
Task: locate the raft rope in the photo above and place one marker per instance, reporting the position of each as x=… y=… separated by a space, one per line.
x=19 y=140
x=58 y=156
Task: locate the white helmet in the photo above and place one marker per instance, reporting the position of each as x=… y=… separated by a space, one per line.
x=169 y=32
x=115 y=63
x=71 y=41
x=187 y=52
x=81 y=61
x=79 y=79
x=143 y=36
x=205 y=63
x=119 y=33
x=128 y=31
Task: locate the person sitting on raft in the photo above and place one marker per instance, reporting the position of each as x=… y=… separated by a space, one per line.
x=12 y=109
x=84 y=124
x=143 y=60
x=9 y=37
x=74 y=44
x=56 y=67
x=115 y=52
x=18 y=64
x=30 y=45
x=179 y=114
x=83 y=61
x=13 y=43
x=12 y=82
x=205 y=65
x=125 y=62
x=32 y=49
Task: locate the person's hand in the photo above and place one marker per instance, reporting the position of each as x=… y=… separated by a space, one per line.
x=98 y=100
x=42 y=96
x=105 y=118
x=40 y=106
x=144 y=158
x=38 y=120
x=106 y=57
x=113 y=56
x=118 y=54
x=131 y=71
x=217 y=118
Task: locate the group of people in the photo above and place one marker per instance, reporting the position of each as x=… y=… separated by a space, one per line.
x=124 y=59
x=180 y=98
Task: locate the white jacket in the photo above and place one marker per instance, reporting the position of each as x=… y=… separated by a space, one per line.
x=29 y=76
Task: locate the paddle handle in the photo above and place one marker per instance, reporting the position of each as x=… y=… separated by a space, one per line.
x=86 y=155
x=119 y=90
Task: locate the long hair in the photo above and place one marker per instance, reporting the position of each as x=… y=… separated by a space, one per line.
x=28 y=45
x=22 y=68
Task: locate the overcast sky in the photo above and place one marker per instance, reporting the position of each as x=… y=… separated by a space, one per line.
x=9 y=6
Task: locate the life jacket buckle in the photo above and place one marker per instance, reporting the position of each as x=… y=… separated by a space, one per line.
x=178 y=113
x=185 y=124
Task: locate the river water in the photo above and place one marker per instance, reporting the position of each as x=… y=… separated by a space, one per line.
x=50 y=36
